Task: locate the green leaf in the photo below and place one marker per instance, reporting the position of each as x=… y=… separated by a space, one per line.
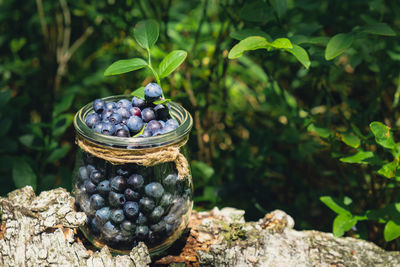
x=337 y=45
x=32 y=141
x=250 y=43
x=301 y=55
x=279 y=6
x=391 y=231
x=171 y=62
x=256 y=11
x=383 y=135
x=139 y=93
x=359 y=157
x=351 y=140
x=141 y=131
x=5 y=96
x=282 y=43
x=334 y=205
x=146 y=33
x=378 y=29
x=343 y=223
x=23 y=174
x=389 y=170
x=61 y=123
x=322 y=132
x=64 y=104
x=244 y=33
x=162 y=101
x=58 y=153
x=124 y=66
x=5 y=125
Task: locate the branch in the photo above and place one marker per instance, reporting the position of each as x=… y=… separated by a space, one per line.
x=42 y=18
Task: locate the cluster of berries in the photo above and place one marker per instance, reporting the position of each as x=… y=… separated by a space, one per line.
x=128 y=118
x=129 y=207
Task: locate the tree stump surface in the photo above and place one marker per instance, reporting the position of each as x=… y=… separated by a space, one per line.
x=43 y=230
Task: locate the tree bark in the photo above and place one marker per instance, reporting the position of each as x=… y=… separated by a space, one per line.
x=43 y=230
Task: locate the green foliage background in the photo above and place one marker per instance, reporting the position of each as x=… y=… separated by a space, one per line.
x=268 y=132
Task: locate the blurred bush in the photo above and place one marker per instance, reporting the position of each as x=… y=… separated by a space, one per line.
x=268 y=132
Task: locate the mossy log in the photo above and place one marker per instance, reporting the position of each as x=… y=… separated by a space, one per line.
x=43 y=230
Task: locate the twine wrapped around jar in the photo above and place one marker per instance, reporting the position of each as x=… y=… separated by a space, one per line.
x=143 y=156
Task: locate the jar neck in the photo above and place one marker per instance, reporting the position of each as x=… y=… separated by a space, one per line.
x=178 y=112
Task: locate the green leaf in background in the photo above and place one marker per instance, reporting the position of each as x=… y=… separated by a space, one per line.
x=391 y=231
x=389 y=170
x=32 y=141
x=124 y=66
x=301 y=55
x=5 y=125
x=162 y=101
x=250 y=43
x=279 y=6
x=171 y=62
x=351 y=140
x=64 y=104
x=282 y=43
x=244 y=33
x=23 y=174
x=378 y=29
x=343 y=223
x=146 y=33
x=359 y=157
x=337 y=45
x=334 y=205
x=61 y=123
x=256 y=11
x=139 y=93
x=201 y=171
x=4 y=97
x=58 y=153
x=383 y=135
x=322 y=132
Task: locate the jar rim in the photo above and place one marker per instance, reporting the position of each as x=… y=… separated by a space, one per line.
x=180 y=114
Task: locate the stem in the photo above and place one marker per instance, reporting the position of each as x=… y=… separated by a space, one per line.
x=153 y=71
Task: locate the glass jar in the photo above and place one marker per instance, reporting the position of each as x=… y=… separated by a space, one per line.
x=132 y=201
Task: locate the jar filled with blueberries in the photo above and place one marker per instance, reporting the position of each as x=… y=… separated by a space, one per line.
x=132 y=177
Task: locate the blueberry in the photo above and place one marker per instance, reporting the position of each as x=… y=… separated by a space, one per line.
x=128 y=226
x=135 y=111
x=98 y=126
x=118 y=184
x=94 y=226
x=142 y=232
x=161 y=112
x=135 y=124
x=131 y=209
x=122 y=133
x=146 y=204
x=96 y=201
x=92 y=119
x=135 y=181
x=154 y=190
x=117 y=216
x=90 y=187
x=102 y=215
x=148 y=115
x=170 y=180
x=158 y=132
x=172 y=122
x=142 y=219
x=115 y=118
x=166 y=200
x=168 y=128
x=170 y=219
x=153 y=125
x=162 y=123
x=99 y=105
x=124 y=112
x=83 y=173
x=156 y=214
x=109 y=230
x=111 y=105
x=178 y=207
x=124 y=103
x=90 y=168
x=96 y=177
x=137 y=102
x=106 y=114
x=131 y=195
x=146 y=133
x=158 y=227
x=152 y=92
x=115 y=199
x=108 y=128
x=104 y=187
x=122 y=172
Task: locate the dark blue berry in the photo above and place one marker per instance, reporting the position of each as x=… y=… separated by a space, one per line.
x=168 y=128
x=106 y=114
x=137 y=102
x=108 y=128
x=153 y=125
x=158 y=227
x=156 y=214
x=92 y=119
x=135 y=181
x=90 y=187
x=99 y=105
x=124 y=103
x=134 y=123
x=83 y=173
x=104 y=187
x=94 y=226
x=158 y=132
x=170 y=180
x=172 y=123
x=102 y=215
x=96 y=177
x=142 y=231
x=124 y=112
x=109 y=230
x=117 y=216
x=122 y=133
x=142 y=219
x=152 y=92
x=148 y=115
x=90 y=168
x=146 y=133
x=146 y=204
x=122 y=172
x=161 y=112
x=154 y=190
x=115 y=118
x=116 y=199
x=130 y=194
x=111 y=105
x=166 y=200
x=131 y=210
x=96 y=202
x=135 y=111
x=98 y=126
x=128 y=226
x=118 y=184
